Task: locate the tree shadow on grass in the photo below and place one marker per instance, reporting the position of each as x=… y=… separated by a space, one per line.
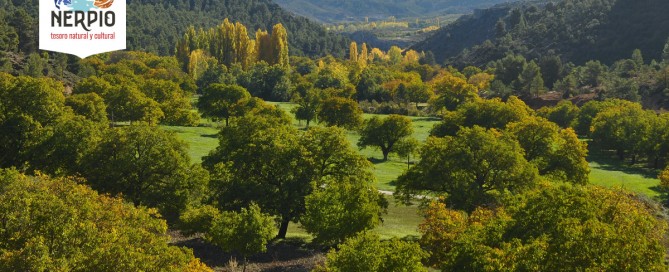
x=375 y=161
x=292 y=254
x=608 y=161
x=427 y=119
x=209 y=135
x=663 y=194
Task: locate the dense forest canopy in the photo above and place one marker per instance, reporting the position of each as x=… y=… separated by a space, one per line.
x=578 y=31
x=333 y=10
x=155 y=26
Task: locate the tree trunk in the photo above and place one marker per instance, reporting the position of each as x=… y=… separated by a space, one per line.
x=385 y=155
x=621 y=154
x=283 y=229
x=308 y=123
x=245 y=262
x=226 y=121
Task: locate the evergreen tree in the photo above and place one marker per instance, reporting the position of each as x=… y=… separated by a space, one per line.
x=500 y=28
x=530 y=82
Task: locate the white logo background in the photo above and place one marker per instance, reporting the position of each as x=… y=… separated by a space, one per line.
x=76 y=40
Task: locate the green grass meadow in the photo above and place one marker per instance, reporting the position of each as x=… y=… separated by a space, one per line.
x=402 y=221
x=608 y=171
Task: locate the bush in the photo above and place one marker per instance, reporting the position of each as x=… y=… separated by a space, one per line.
x=366 y=252
x=373 y=107
x=59 y=225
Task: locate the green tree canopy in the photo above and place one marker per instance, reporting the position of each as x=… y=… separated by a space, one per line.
x=589 y=111
x=343 y=208
x=406 y=148
x=246 y=232
x=557 y=228
x=623 y=128
x=365 y=252
x=385 y=133
x=220 y=101
x=487 y=113
x=308 y=104
x=530 y=82
x=58 y=225
x=473 y=168
x=265 y=160
x=564 y=114
x=28 y=106
x=66 y=145
x=89 y=105
x=341 y=112
x=147 y=166
x=453 y=91
x=557 y=153
x=127 y=103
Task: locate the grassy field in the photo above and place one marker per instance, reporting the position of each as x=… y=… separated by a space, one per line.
x=608 y=171
x=402 y=221
x=200 y=140
x=385 y=172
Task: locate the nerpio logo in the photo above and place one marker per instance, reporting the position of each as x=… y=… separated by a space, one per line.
x=82 y=27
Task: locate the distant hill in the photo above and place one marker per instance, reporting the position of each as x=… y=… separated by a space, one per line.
x=155 y=25
x=331 y=11
x=575 y=30
x=466 y=32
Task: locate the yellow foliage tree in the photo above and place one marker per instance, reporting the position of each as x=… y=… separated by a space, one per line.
x=411 y=56
x=364 y=55
x=353 y=52
x=243 y=46
x=664 y=177
x=57 y=224
x=198 y=63
x=378 y=55
x=481 y=81
x=279 y=41
x=263 y=48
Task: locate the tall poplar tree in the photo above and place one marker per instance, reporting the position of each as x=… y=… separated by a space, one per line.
x=279 y=41
x=353 y=51
x=364 y=55
x=263 y=46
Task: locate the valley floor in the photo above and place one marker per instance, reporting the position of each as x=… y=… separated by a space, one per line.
x=296 y=254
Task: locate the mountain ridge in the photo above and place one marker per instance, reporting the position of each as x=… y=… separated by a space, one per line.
x=331 y=11
x=577 y=31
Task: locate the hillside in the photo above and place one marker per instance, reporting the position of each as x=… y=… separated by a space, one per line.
x=330 y=11
x=155 y=26
x=468 y=31
x=577 y=31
